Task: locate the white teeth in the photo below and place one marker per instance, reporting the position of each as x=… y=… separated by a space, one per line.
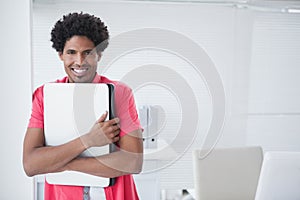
x=80 y=70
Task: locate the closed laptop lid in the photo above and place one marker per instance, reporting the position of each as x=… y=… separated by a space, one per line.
x=70 y=110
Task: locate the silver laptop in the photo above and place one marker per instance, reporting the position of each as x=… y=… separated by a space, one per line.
x=70 y=110
x=227 y=173
x=280 y=177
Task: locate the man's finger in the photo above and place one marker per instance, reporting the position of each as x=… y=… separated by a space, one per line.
x=102 y=118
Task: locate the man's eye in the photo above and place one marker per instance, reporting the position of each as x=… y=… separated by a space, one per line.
x=88 y=53
x=70 y=52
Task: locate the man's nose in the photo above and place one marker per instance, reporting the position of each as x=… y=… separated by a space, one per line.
x=79 y=59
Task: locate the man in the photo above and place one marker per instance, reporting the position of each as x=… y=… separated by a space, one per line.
x=80 y=40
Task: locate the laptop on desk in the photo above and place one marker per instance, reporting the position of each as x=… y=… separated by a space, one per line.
x=227 y=173
x=70 y=110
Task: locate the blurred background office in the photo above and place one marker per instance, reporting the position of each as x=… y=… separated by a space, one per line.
x=238 y=56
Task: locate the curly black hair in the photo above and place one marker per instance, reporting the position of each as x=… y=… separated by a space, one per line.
x=81 y=24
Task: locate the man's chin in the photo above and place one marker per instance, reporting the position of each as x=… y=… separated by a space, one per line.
x=82 y=80
x=75 y=78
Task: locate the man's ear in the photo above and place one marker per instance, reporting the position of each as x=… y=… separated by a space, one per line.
x=60 y=55
x=99 y=55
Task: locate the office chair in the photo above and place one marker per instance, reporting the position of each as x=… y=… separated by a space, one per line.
x=227 y=173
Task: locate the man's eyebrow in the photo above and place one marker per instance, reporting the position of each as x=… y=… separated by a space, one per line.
x=87 y=50
x=70 y=49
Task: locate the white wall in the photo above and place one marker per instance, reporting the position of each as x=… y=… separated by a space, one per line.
x=255 y=53
x=253 y=50
x=15 y=97
x=211 y=27
x=274 y=86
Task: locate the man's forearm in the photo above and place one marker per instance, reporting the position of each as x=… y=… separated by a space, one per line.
x=40 y=159
x=110 y=165
x=52 y=159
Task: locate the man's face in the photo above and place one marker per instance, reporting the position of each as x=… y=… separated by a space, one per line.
x=80 y=59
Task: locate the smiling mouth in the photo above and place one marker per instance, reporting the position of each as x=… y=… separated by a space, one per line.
x=79 y=72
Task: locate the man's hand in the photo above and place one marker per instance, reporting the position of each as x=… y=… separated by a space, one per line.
x=102 y=133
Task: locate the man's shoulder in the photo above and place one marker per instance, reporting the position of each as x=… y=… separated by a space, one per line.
x=39 y=90
x=62 y=80
x=117 y=84
x=104 y=79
